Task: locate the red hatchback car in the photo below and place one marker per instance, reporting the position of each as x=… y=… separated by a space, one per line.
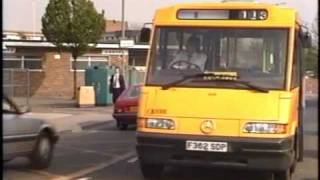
x=126 y=106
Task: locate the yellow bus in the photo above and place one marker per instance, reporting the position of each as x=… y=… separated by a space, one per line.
x=223 y=88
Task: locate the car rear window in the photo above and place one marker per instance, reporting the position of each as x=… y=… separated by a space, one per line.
x=134 y=92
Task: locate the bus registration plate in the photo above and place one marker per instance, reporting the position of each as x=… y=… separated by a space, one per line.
x=206 y=146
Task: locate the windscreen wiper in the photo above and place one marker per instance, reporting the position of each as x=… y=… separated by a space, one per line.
x=214 y=77
x=251 y=86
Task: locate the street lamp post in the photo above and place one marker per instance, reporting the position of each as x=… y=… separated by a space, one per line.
x=123 y=36
x=33 y=17
x=122 y=21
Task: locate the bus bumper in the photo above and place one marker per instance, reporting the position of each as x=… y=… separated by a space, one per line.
x=243 y=153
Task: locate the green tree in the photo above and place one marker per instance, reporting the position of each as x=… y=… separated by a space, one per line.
x=74 y=26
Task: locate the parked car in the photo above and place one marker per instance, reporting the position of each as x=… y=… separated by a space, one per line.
x=26 y=136
x=126 y=106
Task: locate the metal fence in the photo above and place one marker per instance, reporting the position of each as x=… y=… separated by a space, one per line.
x=16 y=84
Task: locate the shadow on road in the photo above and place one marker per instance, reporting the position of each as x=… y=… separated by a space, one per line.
x=21 y=164
x=188 y=173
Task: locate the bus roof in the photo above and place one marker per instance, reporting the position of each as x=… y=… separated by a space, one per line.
x=278 y=15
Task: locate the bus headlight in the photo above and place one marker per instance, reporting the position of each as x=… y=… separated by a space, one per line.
x=265 y=128
x=160 y=123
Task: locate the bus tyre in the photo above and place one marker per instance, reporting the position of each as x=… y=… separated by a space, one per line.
x=122 y=126
x=282 y=175
x=295 y=153
x=151 y=171
x=300 y=144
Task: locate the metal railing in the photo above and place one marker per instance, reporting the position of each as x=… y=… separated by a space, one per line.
x=16 y=84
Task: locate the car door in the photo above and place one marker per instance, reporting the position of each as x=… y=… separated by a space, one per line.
x=19 y=134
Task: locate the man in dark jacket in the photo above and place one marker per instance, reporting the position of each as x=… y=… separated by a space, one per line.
x=117 y=85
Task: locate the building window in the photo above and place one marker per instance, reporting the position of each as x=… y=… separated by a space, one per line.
x=98 y=61
x=82 y=63
x=85 y=62
x=12 y=61
x=114 y=52
x=31 y=62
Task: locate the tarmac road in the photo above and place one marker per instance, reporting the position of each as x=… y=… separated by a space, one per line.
x=103 y=152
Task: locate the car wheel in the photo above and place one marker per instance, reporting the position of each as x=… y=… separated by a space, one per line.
x=122 y=126
x=42 y=154
x=150 y=171
x=283 y=175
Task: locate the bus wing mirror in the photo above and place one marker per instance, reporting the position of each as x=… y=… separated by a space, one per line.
x=145 y=35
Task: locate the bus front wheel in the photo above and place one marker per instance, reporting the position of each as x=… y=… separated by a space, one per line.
x=282 y=175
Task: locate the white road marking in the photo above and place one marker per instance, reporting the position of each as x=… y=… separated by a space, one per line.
x=87 y=151
x=46 y=116
x=49 y=175
x=84 y=178
x=93 y=131
x=132 y=160
x=98 y=167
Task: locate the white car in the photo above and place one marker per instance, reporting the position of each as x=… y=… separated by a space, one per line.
x=26 y=136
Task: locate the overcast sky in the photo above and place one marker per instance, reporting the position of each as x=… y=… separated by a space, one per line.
x=25 y=15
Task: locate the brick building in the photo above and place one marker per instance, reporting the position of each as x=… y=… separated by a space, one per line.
x=114 y=25
x=51 y=72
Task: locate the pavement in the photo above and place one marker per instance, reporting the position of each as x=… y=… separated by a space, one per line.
x=66 y=116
